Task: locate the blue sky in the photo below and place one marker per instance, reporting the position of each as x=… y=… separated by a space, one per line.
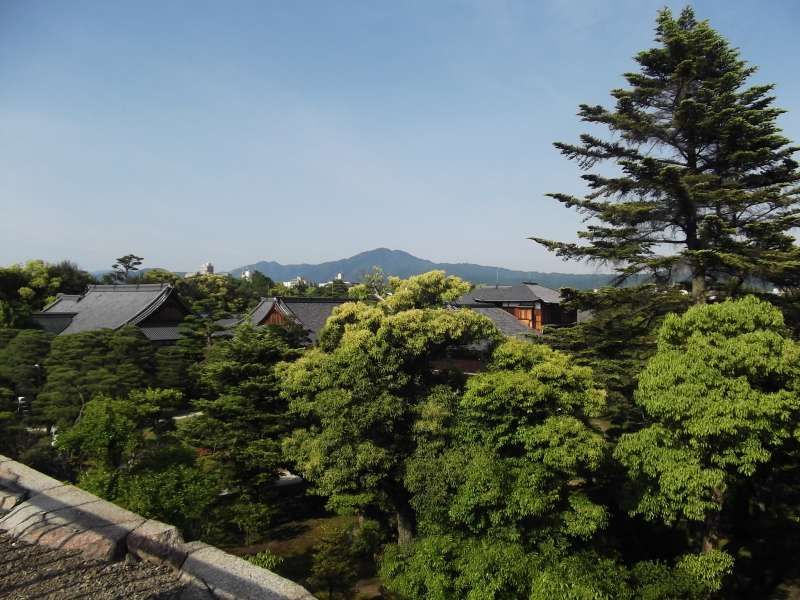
x=308 y=131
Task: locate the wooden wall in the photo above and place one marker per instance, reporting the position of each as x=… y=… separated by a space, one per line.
x=537 y=318
x=274 y=317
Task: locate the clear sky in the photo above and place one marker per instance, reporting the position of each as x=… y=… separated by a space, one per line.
x=308 y=131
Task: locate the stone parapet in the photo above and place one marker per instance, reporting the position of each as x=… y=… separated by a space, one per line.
x=41 y=510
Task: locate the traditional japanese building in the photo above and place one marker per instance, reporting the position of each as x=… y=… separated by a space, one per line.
x=155 y=308
x=309 y=313
x=532 y=305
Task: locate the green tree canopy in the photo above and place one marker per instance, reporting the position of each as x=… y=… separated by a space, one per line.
x=159 y=276
x=243 y=419
x=360 y=391
x=421 y=291
x=27 y=288
x=504 y=482
x=125 y=265
x=373 y=285
x=721 y=397
x=125 y=450
x=617 y=338
x=83 y=365
x=212 y=299
x=21 y=361
x=499 y=472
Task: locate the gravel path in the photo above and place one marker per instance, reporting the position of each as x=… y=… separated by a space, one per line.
x=28 y=571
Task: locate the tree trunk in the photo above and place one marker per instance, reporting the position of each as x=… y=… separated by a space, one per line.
x=405 y=525
x=712 y=525
x=699 y=287
x=711 y=534
x=693 y=245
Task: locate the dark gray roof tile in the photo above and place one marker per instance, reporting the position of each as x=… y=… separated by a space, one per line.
x=261 y=310
x=161 y=333
x=545 y=294
x=505 y=322
x=526 y=293
x=312 y=313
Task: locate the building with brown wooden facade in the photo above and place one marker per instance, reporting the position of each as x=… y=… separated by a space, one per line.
x=531 y=304
x=308 y=313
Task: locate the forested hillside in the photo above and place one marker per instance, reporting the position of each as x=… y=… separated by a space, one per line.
x=402 y=264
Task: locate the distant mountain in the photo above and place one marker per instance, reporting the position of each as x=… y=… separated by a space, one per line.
x=403 y=264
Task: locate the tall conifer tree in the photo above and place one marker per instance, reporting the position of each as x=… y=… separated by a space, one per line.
x=706 y=182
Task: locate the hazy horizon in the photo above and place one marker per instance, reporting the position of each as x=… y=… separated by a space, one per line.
x=218 y=269
x=302 y=133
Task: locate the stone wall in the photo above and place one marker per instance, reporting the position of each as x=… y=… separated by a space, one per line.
x=41 y=510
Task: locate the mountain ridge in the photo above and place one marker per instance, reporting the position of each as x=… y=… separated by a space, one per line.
x=403 y=264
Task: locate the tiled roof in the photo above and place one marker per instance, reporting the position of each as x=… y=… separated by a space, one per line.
x=63 y=303
x=109 y=306
x=505 y=322
x=229 y=322
x=545 y=294
x=261 y=310
x=523 y=293
x=311 y=313
x=161 y=333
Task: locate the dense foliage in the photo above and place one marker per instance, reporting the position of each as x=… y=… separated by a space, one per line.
x=83 y=365
x=721 y=399
x=361 y=391
x=29 y=287
x=241 y=421
x=125 y=449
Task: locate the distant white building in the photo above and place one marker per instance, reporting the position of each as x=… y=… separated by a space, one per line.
x=206 y=268
x=338 y=277
x=296 y=282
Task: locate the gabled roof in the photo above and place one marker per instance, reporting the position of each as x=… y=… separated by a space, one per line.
x=545 y=294
x=312 y=313
x=63 y=303
x=108 y=306
x=260 y=312
x=524 y=293
x=309 y=313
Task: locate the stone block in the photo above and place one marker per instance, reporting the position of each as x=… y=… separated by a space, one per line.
x=230 y=577
x=10 y=496
x=69 y=518
x=103 y=544
x=19 y=475
x=158 y=542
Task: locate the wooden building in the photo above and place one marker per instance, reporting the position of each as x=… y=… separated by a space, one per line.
x=155 y=308
x=309 y=313
x=531 y=304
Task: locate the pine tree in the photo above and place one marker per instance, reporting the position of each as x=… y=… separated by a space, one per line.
x=334 y=569
x=703 y=169
x=82 y=365
x=124 y=266
x=243 y=419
